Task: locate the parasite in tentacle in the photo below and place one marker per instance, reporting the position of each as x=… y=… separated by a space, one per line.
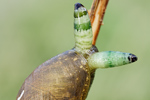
x=109 y=59
x=82 y=29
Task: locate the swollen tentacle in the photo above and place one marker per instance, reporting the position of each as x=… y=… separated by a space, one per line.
x=82 y=29
x=109 y=59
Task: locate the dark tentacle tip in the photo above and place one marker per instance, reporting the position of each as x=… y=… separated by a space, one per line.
x=78 y=5
x=132 y=58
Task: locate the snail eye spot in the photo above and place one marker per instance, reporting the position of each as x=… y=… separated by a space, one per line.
x=132 y=58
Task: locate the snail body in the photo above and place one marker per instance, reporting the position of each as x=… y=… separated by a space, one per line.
x=68 y=76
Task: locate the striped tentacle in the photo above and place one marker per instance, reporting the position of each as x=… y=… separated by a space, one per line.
x=108 y=59
x=82 y=29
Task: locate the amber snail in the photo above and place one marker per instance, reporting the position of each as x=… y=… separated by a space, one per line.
x=68 y=76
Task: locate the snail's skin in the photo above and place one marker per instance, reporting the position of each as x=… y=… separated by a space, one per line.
x=68 y=76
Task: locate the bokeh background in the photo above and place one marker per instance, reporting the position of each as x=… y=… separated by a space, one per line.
x=32 y=31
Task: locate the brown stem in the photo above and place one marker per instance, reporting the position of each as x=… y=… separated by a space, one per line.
x=96 y=16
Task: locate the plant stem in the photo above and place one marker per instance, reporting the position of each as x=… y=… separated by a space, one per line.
x=96 y=16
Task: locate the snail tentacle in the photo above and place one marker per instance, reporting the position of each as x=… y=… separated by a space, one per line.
x=108 y=59
x=82 y=29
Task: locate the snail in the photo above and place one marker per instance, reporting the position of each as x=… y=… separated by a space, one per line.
x=69 y=75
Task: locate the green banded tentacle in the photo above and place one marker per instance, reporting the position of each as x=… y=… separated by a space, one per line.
x=109 y=59
x=82 y=29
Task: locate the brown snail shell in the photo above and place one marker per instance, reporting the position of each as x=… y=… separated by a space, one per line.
x=64 y=77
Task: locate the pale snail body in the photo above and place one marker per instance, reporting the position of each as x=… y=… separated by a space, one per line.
x=68 y=76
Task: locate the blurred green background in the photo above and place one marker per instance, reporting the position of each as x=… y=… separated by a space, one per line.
x=32 y=31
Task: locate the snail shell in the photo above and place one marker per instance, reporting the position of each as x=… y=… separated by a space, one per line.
x=63 y=77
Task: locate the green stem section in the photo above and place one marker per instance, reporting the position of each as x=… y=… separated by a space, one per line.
x=108 y=59
x=82 y=29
